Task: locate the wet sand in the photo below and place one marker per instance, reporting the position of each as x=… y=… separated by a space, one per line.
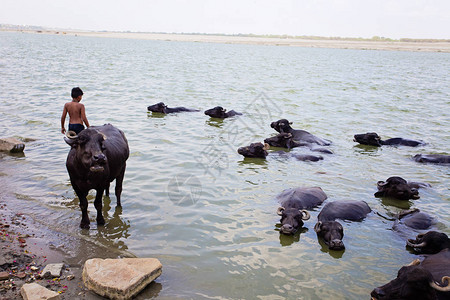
x=268 y=41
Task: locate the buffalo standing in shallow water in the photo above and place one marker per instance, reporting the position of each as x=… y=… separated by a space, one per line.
x=419 y=280
x=332 y=231
x=162 y=108
x=221 y=113
x=373 y=139
x=97 y=156
x=293 y=203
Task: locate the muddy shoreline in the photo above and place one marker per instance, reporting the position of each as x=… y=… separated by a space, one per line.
x=267 y=41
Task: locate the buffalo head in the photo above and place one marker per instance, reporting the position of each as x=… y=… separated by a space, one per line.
x=89 y=151
x=429 y=243
x=216 y=112
x=332 y=233
x=396 y=187
x=370 y=138
x=292 y=219
x=284 y=140
x=158 y=107
x=282 y=125
x=256 y=150
x=412 y=282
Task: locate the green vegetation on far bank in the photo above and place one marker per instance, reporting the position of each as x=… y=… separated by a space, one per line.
x=277 y=36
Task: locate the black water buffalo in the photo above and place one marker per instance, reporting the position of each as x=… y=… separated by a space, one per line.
x=162 y=108
x=293 y=203
x=303 y=136
x=332 y=231
x=254 y=150
x=429 y=243
x=426 y=280
x=220 y=112
x=283 y=140
x=399 y=188
x=97 y=156
x=286 y=140
x=432 y=158
x=414 y=219
x=373 y=139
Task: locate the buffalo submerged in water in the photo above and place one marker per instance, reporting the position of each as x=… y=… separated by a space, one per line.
x=97 y=156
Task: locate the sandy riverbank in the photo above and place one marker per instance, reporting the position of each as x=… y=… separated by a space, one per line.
x=269 y=41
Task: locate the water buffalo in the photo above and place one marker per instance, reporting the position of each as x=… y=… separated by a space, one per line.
x=286 y=140
x=414 y=219
x=432 y=158
x=220 y=112
x=373 y=139
x=429 y=243
x=419 y=280
x=283 y=140
x=303 y=136
x=97 y=156
x=293 y=203
x=399 y=188
x=254 y=150
x=332 y=231
x=162 y=108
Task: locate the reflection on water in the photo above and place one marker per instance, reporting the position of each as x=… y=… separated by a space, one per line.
x=215 y=122
x=333 y=253
x=287 y=240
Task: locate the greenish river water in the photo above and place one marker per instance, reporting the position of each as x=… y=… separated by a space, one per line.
x=189 y=198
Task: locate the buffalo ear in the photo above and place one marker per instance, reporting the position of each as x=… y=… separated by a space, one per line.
x=317 y=227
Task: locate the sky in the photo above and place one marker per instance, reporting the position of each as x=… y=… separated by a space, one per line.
x=344 y=18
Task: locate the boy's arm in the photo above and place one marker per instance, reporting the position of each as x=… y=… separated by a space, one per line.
x=83 y=116
x=63 y=120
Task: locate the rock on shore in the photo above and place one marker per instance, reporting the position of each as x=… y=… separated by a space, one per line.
x=11 y=145
x=120 y=278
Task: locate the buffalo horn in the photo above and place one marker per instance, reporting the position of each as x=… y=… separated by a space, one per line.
x=280 y=211
x=317 y=226
x=381 y=183
x=71 y=134
x=266 y=146
x=445 y=279
x=411 y=244
x=305 y=215
x=414 y=262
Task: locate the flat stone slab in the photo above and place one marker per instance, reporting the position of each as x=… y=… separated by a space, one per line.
x=11 y=144
x=34 y=291
x=54 y=270
x=120 y=278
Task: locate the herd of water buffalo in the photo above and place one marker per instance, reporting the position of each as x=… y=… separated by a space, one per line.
x=98 y=156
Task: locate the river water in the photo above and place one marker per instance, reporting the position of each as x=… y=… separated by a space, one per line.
x=189 y=198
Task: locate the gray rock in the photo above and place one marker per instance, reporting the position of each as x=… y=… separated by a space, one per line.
x=34 y=291
x=11 y=144
x=52 y=270
x=120 y=278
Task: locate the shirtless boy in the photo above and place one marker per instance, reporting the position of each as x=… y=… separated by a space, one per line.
x=76 y=112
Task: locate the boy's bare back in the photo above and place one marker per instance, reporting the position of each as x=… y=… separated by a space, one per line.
x=75 y=110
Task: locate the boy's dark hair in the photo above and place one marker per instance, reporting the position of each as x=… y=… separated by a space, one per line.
x=76 y=91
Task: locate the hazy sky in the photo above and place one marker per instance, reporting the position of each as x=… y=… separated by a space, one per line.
x=345 y=18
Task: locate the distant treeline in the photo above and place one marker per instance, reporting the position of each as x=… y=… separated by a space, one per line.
x=334 y=38
x=282 y=36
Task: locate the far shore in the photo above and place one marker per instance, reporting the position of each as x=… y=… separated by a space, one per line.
x=269 y=41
